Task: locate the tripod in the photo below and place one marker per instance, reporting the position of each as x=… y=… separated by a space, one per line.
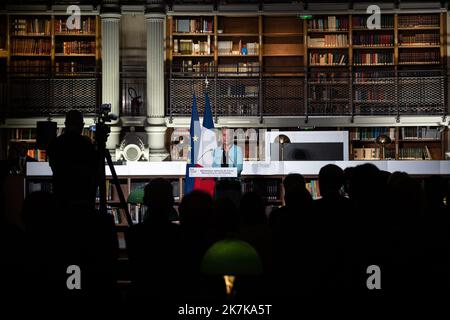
x=101 y=135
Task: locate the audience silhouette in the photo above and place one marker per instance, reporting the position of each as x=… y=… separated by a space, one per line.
x=308 y=248
x=154 y=245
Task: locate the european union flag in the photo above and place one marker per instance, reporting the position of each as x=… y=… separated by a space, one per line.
x=195 y=133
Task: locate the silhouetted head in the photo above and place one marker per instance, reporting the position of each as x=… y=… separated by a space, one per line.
x=367 y=186
x=294 y=181
x=331 y=179
x=252 y=209
x=195 y=210
x=74 y=122
x=158 y=197
x=405 y=195
x=295 y=192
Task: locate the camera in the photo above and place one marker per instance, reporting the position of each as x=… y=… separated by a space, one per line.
x=104 y=113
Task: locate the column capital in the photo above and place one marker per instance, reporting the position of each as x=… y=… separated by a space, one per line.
x=155 y=9
x=110 y=6
x=155 y=16
x=155 y=121
x=110 y=16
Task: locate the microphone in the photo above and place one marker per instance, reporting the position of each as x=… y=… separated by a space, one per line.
x=204 y=153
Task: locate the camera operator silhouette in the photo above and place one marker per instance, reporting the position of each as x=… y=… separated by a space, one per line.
x=73 y=160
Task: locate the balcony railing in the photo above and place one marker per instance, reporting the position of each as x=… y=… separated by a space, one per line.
x=320 y=92
x=245 y=94
x=49 y=93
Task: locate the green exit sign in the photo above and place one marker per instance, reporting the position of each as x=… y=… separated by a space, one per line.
x=305 y=17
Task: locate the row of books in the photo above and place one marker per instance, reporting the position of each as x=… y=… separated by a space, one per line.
x=109 y=191
x=372 y=40
x=375 y=77
x=373 y=153
x=419 y=39
x=137 y=214
x=382 y=58
x=328 y=77
x=372 y=133
x=188 y=46
x=30 y=66
x=31 y=26
x=322 y=94
x=420 y=133
x=313 y=188
x=116 y=213
x=22 y=134
x=328 y=40
x=377 y=94
x=37 y=154
x=360 y=22
x=197 y=25
x=270 y=190
x=415 y=153
x=413 y=21
x=252 y=48
x=251 y=68
x=74 y=67
x=31 y=46
x=420 y=57
x=327 y=59
x=331 y=23
x=87 y=26
x=75 y=47
x=199 y=66
x=230 y=48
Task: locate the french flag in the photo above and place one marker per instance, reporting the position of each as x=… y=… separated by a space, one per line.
x=203 y=144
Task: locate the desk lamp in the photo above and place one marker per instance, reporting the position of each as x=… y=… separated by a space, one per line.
x=383 y=140
x=230 y=258
x=282 y=140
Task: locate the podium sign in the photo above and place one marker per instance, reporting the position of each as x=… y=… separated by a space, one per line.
x=213 y=172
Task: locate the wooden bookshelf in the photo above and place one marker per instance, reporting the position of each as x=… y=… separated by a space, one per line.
x=42 y=43
x=283 y=37
x=420 y=39
x=192 y=44
x=367 y=65
x=325 y=41
x=407 y=143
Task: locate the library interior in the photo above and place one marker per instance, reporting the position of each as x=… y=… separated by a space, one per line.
x=302 y=150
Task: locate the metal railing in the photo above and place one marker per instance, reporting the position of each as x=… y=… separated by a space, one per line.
x=323 y=92
x=49 y=93
x=313 y=92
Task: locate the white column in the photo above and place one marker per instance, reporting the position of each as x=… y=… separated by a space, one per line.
x=110 y=72
x=155 y=126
